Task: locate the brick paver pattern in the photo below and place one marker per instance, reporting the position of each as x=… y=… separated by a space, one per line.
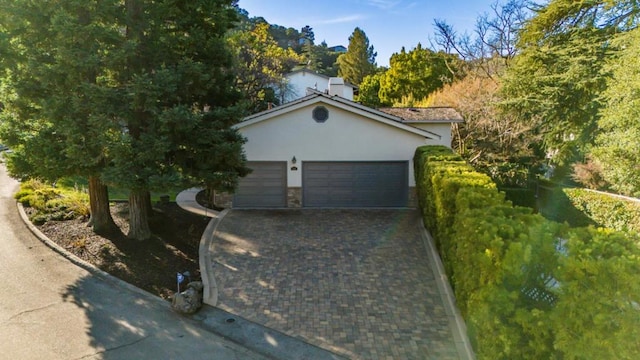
x=356 y=282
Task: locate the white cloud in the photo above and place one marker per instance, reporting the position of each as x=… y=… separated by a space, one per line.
x=412 y=5
x=343 y=19
x=383 y=4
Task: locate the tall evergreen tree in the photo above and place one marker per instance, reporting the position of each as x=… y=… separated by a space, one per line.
x=557 y=78
x=326 y=60
x=618 y=140
x=359 y=60
x=126 y=91
x=50 y=95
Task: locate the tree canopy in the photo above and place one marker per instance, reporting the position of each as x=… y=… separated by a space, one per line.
x=557 y=87
x=117 y=89
x=618 y=139
x=260 y=64
x=557 y=78
x=369 y=90
x=413 y=75
x=359 y=60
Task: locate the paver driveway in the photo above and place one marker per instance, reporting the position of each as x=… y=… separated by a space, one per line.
x=357 y=282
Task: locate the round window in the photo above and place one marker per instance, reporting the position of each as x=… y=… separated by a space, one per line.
x=320 y=114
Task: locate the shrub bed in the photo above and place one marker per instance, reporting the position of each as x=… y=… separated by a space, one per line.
x=51 y=203
x=528 y=287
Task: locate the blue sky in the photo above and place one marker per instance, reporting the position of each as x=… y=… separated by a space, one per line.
x=389 y=24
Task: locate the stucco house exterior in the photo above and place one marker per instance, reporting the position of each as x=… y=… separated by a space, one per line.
x=297 y=83
x=324 y=150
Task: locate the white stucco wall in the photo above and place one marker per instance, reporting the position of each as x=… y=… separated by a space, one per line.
x=298 y=83
x=443 y=129
x=343 y=137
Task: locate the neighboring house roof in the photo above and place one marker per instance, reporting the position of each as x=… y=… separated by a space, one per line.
x=338 y=48
x=325 y=77
x=314 y=97
x=436 y=114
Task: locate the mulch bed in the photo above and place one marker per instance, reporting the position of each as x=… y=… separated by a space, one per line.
x=152 y=264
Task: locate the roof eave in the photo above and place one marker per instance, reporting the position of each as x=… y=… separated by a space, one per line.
x=339 y=102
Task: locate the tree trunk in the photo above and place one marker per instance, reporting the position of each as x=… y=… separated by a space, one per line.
x=138 y=215
x=149 y=205
x=211 y=197
x=101 y=219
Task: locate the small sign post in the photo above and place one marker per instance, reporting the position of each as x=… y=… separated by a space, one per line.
x=180 y=280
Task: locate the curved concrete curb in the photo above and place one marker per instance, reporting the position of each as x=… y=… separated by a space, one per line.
x=210 y=291
x=187 y=200
x=458 y=327
x=87 y=266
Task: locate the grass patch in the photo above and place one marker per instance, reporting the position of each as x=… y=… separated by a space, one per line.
x=115 y=194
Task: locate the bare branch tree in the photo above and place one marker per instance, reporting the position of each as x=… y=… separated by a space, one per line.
x=494 y=39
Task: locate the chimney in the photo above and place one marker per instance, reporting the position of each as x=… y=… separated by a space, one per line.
x=336 y=86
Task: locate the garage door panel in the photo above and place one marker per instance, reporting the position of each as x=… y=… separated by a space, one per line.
x=355 y=184
x=265 y=186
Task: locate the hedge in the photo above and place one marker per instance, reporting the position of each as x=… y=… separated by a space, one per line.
x=528 y=287
x=582 y=207
x=606 y=210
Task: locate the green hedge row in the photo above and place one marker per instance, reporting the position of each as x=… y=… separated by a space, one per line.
x=606 y=210
x=528 y=288
x=582 y=207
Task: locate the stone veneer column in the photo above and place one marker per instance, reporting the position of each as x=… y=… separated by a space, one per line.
x=294 y=197
x=223 y=200
x=413 y=198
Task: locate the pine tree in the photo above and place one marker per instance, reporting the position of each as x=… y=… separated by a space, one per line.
x=137 y=93
x=359 y=60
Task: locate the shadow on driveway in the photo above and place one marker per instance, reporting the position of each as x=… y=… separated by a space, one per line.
x=356 y=282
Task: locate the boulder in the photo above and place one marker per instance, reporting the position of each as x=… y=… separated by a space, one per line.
x=190 y=300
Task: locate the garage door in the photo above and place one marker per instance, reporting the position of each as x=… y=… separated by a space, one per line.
x=355 y=184
x=266 y=186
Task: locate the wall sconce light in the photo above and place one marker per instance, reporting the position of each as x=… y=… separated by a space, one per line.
x=293 y=160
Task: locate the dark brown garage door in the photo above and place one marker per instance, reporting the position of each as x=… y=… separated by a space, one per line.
x=355 y=184
x=266 y=186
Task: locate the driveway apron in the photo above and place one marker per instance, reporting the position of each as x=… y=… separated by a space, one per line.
x=356 y=282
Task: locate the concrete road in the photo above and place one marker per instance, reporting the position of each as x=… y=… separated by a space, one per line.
x=53 y=309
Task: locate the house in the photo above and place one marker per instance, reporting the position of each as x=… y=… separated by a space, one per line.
x=324 y=150
x=338 y=48
x=437 y=119
x=297 y=83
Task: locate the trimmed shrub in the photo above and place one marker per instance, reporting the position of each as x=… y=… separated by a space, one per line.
x=606 y=210
x=521 y=196
x=529 y=288
x=597 y=315
x=555 y=205
x=583 y=207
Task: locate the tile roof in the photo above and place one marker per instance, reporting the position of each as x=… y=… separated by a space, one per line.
x=435 y=114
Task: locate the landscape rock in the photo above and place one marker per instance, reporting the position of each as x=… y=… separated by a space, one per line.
x=189 y=301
